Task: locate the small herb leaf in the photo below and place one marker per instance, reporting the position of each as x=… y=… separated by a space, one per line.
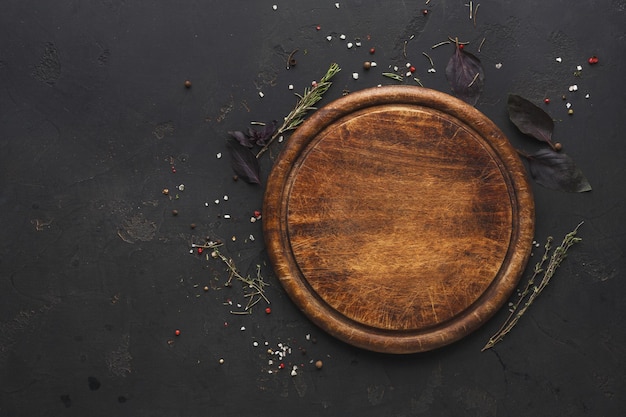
x=263 y=135
x=465 y=75
x=242 y=138
x=530 y=119
x=244 y=162
x=557 y=171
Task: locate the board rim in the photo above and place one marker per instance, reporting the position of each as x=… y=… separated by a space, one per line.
x=333 y=322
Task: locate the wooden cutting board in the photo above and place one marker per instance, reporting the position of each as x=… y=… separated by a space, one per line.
x=399 y=219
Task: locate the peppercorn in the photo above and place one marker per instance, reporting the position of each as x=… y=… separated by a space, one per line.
x=177 y=332
x=570 y=111
x=192 y=225
x=319 y=364
x=187 y=84
x=367 y=65
x=546 y=100
x=174 y=212
x=206 y=288
x=268 y=310
x=424 y=12
x=372 y=51
x=558 y=146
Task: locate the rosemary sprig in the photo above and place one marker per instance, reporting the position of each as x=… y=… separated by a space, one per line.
x=532 y=291
x=305 y=103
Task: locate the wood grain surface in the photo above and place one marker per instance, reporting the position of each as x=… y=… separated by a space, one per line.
x=399 y=219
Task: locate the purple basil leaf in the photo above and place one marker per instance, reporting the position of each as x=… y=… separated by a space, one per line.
x=244 y=162
x=557 y=171
x=465 y=75
x=242 y=138
x=268 y=131
x=530 y=119
x=261 y=136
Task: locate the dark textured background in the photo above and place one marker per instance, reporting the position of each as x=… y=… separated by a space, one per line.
x=95 y=272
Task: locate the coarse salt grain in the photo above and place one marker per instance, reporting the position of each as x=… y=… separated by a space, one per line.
x=329 y=38
x=579 y=68
x=373 y=64
x=349 y=45
x=355 y=75
x=227 y=216
x=587 y=95
x=217 y=201
x=252 y=219
x=290 y=86
x=261 y=94
x=251 y=237
x=568 y=105
x=342 y=36
x=255 y=344
x=432 y=70
x=275 y=7
x=219 y=155
x=357 y=43
x=225 y=197
x=243 y=328
x=559 y=59
x=498 y=65
x=337 y=5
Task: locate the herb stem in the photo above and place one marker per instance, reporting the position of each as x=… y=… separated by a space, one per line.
x=432 y=64
x=437 y=45
x=532 y=291
x=305 y=103
x=473 y=80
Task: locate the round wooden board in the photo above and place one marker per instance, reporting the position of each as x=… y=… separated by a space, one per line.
x=399 y=219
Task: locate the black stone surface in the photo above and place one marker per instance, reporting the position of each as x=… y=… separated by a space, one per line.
x=95 y=270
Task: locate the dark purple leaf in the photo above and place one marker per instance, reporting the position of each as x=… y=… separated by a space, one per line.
x=465 y=75
x=244 y=162
x=557 y=171
x=530 y=119
x=261 y=136
x=242 y=138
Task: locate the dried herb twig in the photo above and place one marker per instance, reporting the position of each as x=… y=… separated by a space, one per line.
x=255 y=284
x=532 y=291
x=305 y=103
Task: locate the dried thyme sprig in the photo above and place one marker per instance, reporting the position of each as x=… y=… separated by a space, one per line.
x=305 y=103
x=256 y=284
x=531 y=292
